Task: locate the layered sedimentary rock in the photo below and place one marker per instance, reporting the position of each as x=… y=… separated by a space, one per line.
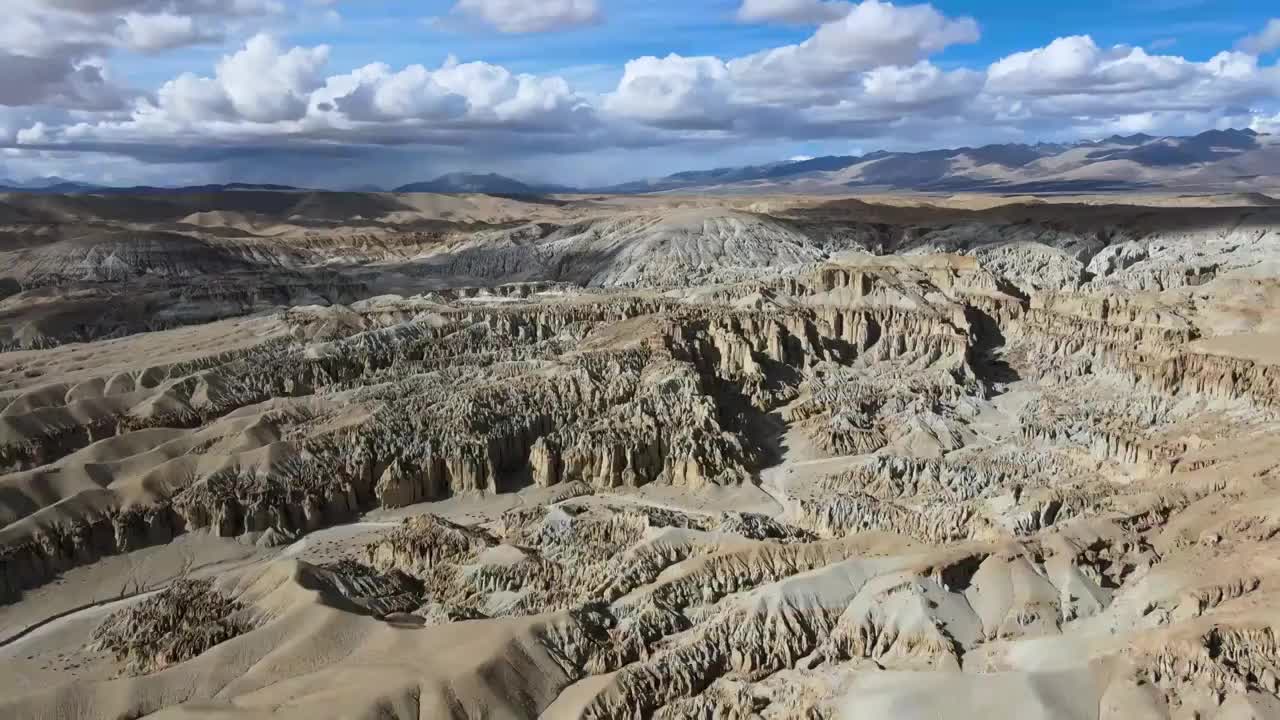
x=862 y=357
x=175 y=625
x=731 y=462
x=380 y=594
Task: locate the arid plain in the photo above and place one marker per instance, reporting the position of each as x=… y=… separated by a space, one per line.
x=302 y=454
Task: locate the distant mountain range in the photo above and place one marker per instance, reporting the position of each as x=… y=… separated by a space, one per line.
x=59 y=186
x=1218 y=160
x=51 y=184
x=1213 y=161
x=490 y=184
x=453 y=183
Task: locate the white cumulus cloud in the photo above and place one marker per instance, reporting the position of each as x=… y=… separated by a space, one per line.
x=1265 y=41
x=865 y=66
x=530 y=16
x=675 y=91
x=799 y=12
x=163 y=31
x=1074 y=77
x=873 y=34
x=266 y=84
x=1076 y=64
x=264 y=92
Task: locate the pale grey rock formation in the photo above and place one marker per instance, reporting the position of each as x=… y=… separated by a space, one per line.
x=175 y=625
x=746 y=457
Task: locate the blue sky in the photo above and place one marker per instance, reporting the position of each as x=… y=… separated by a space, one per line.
x=590 y=91
x=401 y=33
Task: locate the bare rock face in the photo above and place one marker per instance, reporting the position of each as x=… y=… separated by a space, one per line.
x=380 y=594
x=544 y=558
x=425 y=542
x=231 y=503
x=717 y=459
x=33 y=559
x=848 y=514
x=175 y=625
x=760 y=527
x=1196 y=671
x=668 y=433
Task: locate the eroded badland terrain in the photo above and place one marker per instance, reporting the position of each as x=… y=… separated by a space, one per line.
x=303 y=455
